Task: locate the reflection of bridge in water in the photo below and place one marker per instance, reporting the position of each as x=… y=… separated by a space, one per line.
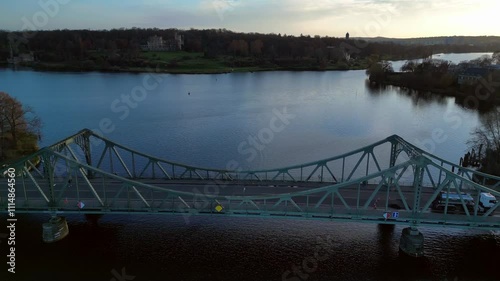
x=86 y=173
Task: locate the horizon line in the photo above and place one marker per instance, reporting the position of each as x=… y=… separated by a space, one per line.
x=250 y=32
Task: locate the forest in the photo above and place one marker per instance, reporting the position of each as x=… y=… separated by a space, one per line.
x=213 y=50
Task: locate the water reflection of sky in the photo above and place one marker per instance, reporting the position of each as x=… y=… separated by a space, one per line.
x=334 y=112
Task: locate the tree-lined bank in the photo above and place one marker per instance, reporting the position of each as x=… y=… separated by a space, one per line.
x=210 y=51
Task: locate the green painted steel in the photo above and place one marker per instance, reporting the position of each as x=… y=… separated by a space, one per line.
x=87 y=173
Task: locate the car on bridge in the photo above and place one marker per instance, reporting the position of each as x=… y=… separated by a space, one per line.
x=452 y=199
x=486 y=201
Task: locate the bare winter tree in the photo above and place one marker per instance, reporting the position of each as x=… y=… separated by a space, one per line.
x=496 y=57
x=486 y=138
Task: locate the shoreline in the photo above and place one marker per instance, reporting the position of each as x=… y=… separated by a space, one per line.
x=69 y=69
x=182 y=62
x=449 y=92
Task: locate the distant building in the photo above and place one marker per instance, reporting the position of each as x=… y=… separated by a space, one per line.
x=157 y=43
x=471 y=75
x=347 y=36
x=27 y=57
x=347 y=56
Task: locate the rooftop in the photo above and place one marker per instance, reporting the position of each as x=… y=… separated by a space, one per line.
x=454 y=196
x=476 y=71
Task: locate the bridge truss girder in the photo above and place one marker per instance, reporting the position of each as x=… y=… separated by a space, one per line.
x=66 y=178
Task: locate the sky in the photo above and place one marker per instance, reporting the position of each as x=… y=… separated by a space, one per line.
x=361 y=18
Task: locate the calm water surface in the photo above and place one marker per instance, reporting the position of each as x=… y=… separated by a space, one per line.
x=201 y=120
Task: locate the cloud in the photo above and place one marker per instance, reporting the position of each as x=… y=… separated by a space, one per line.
x=408 y=18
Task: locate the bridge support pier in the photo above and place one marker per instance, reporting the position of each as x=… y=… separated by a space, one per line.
x=412 y=242
x=55 y=230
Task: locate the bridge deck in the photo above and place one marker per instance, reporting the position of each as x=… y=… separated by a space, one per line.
x=210 y=194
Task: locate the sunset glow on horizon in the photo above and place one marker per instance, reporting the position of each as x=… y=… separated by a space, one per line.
x=361 y=18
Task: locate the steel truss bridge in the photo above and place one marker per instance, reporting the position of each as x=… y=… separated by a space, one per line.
x=88 y=173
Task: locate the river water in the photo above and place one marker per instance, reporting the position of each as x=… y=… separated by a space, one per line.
x=207 y=120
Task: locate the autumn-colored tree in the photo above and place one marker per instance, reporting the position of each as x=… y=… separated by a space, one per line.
x=19 y=128
x=243 y=47
x=238 y=47
x=256 y=47
x=233 y=47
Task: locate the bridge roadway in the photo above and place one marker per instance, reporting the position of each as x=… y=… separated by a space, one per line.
x=28 y=197
x=206 y=188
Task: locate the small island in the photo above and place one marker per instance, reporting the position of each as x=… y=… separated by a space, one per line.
x=479 y=77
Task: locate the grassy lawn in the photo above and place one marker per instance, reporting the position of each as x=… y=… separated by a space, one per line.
x=185 y=62
x=196 y=63
x=169 y=56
